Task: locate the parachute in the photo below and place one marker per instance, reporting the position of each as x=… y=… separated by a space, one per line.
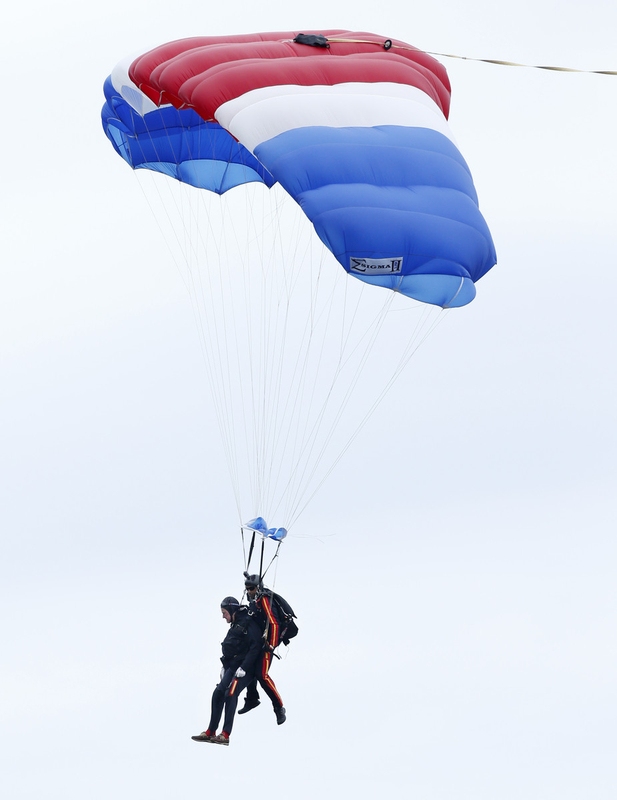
x=354 y=128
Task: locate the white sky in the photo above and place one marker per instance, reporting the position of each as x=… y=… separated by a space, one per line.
x=458 y=613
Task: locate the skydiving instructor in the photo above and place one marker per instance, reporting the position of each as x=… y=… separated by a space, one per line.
x=261 y=607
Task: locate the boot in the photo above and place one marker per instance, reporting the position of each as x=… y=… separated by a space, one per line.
x=249 y=705
x=281 y=715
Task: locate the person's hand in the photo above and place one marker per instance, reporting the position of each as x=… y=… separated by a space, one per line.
x=240 y=673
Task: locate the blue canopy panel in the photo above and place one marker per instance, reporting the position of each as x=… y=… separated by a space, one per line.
x=395 y=205
x=179 y=143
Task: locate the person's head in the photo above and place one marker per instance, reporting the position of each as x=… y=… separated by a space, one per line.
x=251 y=584
x=229 y=606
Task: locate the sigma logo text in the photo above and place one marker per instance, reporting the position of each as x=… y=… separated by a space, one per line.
x=373 y=266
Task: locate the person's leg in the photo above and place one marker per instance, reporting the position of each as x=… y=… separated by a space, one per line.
x=236 y=687
x=218 y=699
x=269 y=688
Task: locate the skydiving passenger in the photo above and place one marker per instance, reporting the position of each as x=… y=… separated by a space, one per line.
x=241 y=651
x=260 y=605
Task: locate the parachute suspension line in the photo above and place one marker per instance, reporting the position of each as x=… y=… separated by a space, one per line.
x=224 y=336
x=213 y=265
x=253 y=432
x=275 y=347
x=257 y=347
x=274 y=557
x=183 y=249
x=160 y=227
x=298 y=380
x=234 y=289
x=321 y=355
x=416 y=339
x=190 y=220
x=236 y=320
x=223 y=384
x=228 y=344
x=267 y=363
x=267 y=338
x=268 y=299
x=242 y=284
x=291 y=264
x=188 y=279
x=211 y=340
x=303 y=439
x=254 y=346
x=295 y=497
x=214 y=341
x=300 y=406
x=376 y=328
x=302 y=376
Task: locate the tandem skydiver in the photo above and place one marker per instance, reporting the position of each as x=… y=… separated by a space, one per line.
x=263 y=610
x=242 y=649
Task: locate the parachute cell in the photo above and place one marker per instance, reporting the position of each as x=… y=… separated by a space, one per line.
x=175 y=142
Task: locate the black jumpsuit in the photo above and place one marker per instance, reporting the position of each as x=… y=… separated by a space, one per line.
x=241 y=648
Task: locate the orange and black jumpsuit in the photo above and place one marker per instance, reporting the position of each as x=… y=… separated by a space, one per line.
x=263 y=609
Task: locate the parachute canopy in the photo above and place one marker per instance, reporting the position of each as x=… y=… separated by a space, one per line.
x=354 y=129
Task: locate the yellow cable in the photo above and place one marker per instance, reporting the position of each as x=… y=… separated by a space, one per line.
x=529 y=66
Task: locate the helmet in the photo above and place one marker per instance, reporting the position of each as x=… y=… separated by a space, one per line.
x=251 y=581
x=230 y=604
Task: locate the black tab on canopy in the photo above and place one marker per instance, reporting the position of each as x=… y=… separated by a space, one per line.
x=312 y=39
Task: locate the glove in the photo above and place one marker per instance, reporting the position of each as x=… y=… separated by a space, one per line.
x=222 y=673
x=240 y=673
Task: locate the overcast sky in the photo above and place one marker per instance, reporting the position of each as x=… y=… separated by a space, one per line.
x=455 y=579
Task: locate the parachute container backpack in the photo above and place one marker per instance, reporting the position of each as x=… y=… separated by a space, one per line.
x=353 y=127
